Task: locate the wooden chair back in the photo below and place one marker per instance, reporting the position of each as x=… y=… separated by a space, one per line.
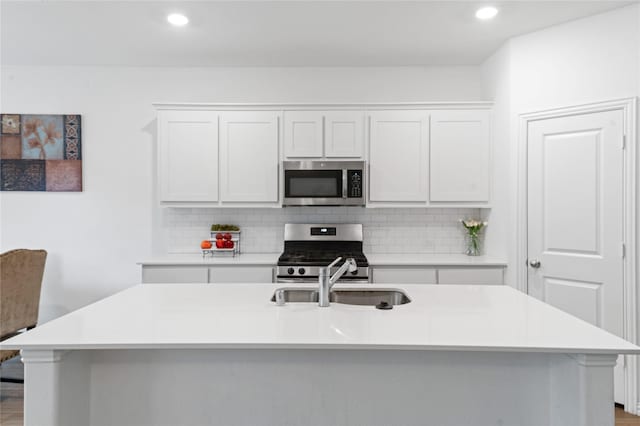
x=21 y=274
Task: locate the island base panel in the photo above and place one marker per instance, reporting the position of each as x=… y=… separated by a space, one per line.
x=310 y=387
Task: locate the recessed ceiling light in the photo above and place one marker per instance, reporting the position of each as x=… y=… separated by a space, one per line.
x=485 y=13
x=177 y=19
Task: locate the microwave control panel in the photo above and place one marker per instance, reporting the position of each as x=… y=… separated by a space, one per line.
x=354 y=179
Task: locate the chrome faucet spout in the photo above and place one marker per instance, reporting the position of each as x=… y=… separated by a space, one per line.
x=326 y=280
x=349 y=265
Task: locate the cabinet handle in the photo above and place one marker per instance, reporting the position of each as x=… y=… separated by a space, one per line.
x=534 y=263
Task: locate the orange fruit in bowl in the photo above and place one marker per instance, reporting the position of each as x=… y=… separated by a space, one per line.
x=206 y=245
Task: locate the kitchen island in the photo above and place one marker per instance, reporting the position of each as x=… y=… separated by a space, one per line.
x=198 y=354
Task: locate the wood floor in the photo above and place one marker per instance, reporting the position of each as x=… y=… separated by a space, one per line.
x=623 y=418
x=11 y=395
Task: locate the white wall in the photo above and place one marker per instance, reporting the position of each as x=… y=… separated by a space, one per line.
x=586 y=60
x=496 y=78
x=94 y=238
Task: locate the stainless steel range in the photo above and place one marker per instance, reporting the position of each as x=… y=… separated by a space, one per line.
x=309 y=247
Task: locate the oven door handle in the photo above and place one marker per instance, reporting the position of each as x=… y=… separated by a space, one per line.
x=296 y=280
x=315 y=281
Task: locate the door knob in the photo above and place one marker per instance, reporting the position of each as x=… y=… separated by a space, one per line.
x=534 y=263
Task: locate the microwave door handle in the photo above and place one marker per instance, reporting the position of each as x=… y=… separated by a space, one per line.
x=344 y=183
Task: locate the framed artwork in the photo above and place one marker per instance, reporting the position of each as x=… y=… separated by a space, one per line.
x=40 y=152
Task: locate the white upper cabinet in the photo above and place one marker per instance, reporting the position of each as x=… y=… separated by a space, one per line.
x=398 y=156
x=303 y=134
x=249 y=156
x=418 y=155
x=323 y=134
x=460 y=156
x=344 y=134
x=188 y=156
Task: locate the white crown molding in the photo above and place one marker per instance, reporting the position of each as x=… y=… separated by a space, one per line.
x=321 y=106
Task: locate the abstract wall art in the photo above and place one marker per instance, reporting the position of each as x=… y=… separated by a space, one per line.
x=40 y=152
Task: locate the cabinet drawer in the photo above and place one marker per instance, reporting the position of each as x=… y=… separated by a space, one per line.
x=470 y=276
x=165 y=274
x=239 y=274
x=404 y=275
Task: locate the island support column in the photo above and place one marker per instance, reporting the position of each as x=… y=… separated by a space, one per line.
x=56 y=389
x=582 y=390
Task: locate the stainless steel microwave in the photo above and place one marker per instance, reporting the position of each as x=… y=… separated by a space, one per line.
x=324 y=183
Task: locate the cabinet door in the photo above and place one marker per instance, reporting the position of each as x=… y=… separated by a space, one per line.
x=402 y=275
x=178 y=274
x=470 y=276
x=344 y=134
x=460 y=155
x=303 y=134
x=398 y=151
x=188 y=155
x=249 y=156
x=241 y=274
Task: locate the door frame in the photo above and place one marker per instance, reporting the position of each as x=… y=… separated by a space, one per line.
x=628 y=107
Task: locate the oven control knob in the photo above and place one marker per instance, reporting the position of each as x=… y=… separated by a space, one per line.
x=301 y=271
x=290 y=271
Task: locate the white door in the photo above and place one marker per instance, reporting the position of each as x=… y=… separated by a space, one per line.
x=575 y=218
x=249 y=156
x=188 y=156
x=398 y=156
x=344 y=134
x=303 y=134
x=459 y=156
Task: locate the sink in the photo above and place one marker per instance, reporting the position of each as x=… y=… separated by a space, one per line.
x=347 y=296
x=297 y=295
x=353 y=296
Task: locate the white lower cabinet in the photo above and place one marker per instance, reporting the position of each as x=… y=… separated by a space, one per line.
x=266 y=274
x=402 y=275
x=174 y=274
x=471 y=276
x=160 y=274
x=437 y=275
x=241 y=274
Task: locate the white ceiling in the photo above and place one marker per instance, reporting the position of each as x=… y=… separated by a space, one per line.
x=270 y=33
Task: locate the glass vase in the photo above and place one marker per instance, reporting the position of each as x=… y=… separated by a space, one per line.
x=473 y=245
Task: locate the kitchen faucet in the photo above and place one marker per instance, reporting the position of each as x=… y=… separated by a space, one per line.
x=326 y=281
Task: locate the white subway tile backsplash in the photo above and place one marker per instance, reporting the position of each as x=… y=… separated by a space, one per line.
x=385 y=230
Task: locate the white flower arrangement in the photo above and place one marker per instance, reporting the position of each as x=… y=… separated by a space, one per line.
x=473 y=227
x=473 y=224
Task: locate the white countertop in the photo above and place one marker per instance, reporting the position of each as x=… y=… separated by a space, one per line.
x=440 y=317
x=421 y=259
x=376 y=259
x=194 y=259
